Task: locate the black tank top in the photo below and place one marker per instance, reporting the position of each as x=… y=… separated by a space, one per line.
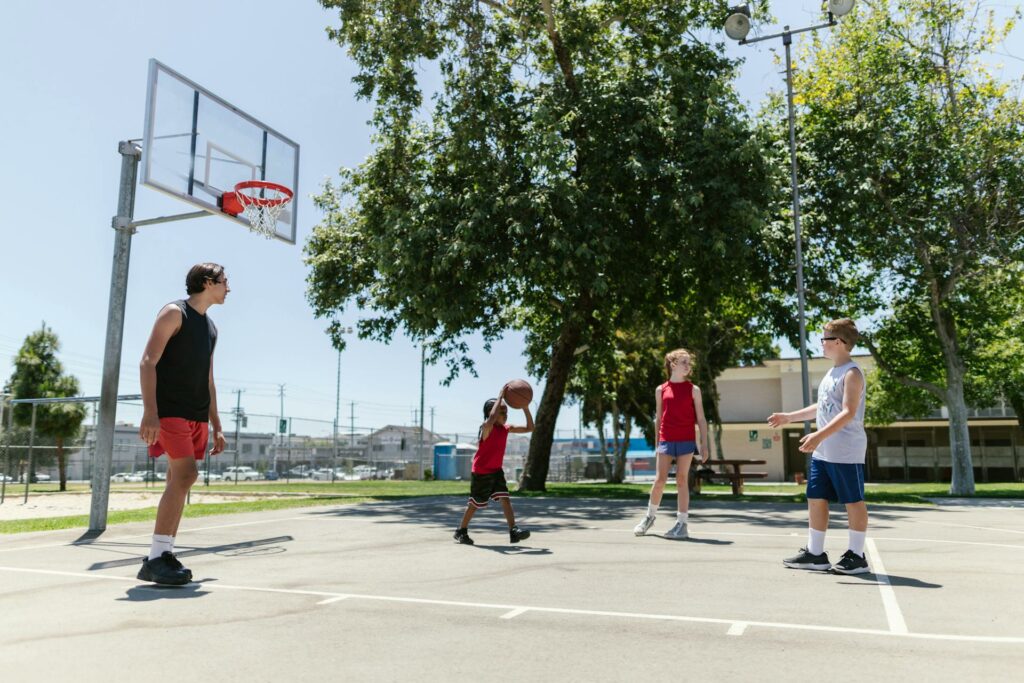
x=183 y=371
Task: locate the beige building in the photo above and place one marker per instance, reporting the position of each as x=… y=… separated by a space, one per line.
x=910 y=450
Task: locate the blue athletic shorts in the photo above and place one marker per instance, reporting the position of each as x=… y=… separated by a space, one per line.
x=836 y=482
x=677 y=448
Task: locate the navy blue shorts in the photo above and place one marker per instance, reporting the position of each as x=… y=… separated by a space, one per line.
x=836 y=482
x=677 y=448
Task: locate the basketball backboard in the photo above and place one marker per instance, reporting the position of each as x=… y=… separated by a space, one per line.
x=196 y=147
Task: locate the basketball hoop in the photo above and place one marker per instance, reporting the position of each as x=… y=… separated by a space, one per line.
x=260 y=201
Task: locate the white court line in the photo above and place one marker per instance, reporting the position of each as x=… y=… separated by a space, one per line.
x=969 y=526
x=1015 y=640
x=892 y=608
x=336 y=598
x=515 y=613
x=737 y=628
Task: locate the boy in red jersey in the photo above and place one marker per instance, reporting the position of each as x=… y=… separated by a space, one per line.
x=679 y=410
x=487 y=477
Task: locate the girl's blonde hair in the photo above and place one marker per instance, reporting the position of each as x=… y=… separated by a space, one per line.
x=672 y=356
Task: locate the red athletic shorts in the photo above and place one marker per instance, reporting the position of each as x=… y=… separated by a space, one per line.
x=181 y=438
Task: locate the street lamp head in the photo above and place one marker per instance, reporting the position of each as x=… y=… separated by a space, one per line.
x=840 y=8
x=737 y=26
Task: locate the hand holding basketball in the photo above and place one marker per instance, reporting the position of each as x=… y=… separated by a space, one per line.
x=518 y=393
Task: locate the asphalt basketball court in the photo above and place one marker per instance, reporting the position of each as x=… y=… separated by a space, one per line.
x=380 y=592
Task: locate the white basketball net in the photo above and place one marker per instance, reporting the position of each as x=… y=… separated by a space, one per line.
x=262 y=206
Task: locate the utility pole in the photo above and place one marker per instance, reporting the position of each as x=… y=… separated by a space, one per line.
x=423 y=365
x=432 y=419
x=280 y=433
x=352 y=425
x=337 y=405
x=238 y=424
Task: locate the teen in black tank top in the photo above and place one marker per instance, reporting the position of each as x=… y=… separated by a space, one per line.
x=183 y=371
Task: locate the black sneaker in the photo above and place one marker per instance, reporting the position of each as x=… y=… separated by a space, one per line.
x=160 y=570
x=462 y=536
x=515 y=534
x=176 y=563
x=851 y=563
x=805 y=560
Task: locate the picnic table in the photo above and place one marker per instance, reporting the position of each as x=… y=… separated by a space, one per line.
x=734 y=473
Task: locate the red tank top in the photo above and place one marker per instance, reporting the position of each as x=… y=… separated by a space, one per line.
x=678 y=416
x=491 y=451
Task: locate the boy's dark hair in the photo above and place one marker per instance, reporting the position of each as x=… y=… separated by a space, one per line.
x=488 y=405
x=199 y=274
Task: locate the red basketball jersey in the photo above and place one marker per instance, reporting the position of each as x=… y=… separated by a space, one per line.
x=678 y=415
x=491 y=451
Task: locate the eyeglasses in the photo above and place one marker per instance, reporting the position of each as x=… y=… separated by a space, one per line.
x=829 y=338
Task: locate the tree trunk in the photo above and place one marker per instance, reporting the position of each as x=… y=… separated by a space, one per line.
x=962 y=483
x=604 y=445
x=962 y=480
x=538 y=459
x=619 y=475
x=711 y=400
x=612 y=473
x=62 y=467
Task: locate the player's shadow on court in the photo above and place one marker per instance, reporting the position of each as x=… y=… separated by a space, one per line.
x=514 y=549
x=871 y=579
x=691 y=539
x=152 y=592
x=261 y=546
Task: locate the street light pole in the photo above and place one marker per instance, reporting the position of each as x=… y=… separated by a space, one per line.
x=737 y=26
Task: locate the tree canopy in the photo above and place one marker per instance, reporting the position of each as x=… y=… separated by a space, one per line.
x=914 y=166
x=581 y=161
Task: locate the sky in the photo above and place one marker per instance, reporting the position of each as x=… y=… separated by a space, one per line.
x=74 y=84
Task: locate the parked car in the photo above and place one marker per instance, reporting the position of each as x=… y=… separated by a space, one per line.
x=271 y=475
x=154 y=476
x=39 y=476
x=241 y=473
x=127 y=477
x=326 y=474
x=300 y=472
x=212 y=475
x=4 y=477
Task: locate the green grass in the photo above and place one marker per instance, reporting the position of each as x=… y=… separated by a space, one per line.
x=18 y=526
x=298 y=494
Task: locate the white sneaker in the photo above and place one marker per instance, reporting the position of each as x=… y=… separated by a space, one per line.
x=677 y=532
x=646 y=523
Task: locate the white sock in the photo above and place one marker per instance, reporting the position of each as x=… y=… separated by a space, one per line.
x=815 y=541
x=857 y=542
x=682 y=517
x=652 y=510
x=161 y=544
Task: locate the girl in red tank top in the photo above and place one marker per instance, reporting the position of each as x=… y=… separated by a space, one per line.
x=679 y=412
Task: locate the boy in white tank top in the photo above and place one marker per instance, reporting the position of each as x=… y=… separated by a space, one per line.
x=838 y=449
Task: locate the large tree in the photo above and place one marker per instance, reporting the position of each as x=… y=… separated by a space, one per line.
x=38 y=373
x=576 y=152
x=914 y=168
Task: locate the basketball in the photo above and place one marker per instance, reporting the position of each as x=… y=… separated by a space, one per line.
x=518 y=393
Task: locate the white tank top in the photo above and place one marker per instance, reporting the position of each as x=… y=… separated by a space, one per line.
x=849 y=444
